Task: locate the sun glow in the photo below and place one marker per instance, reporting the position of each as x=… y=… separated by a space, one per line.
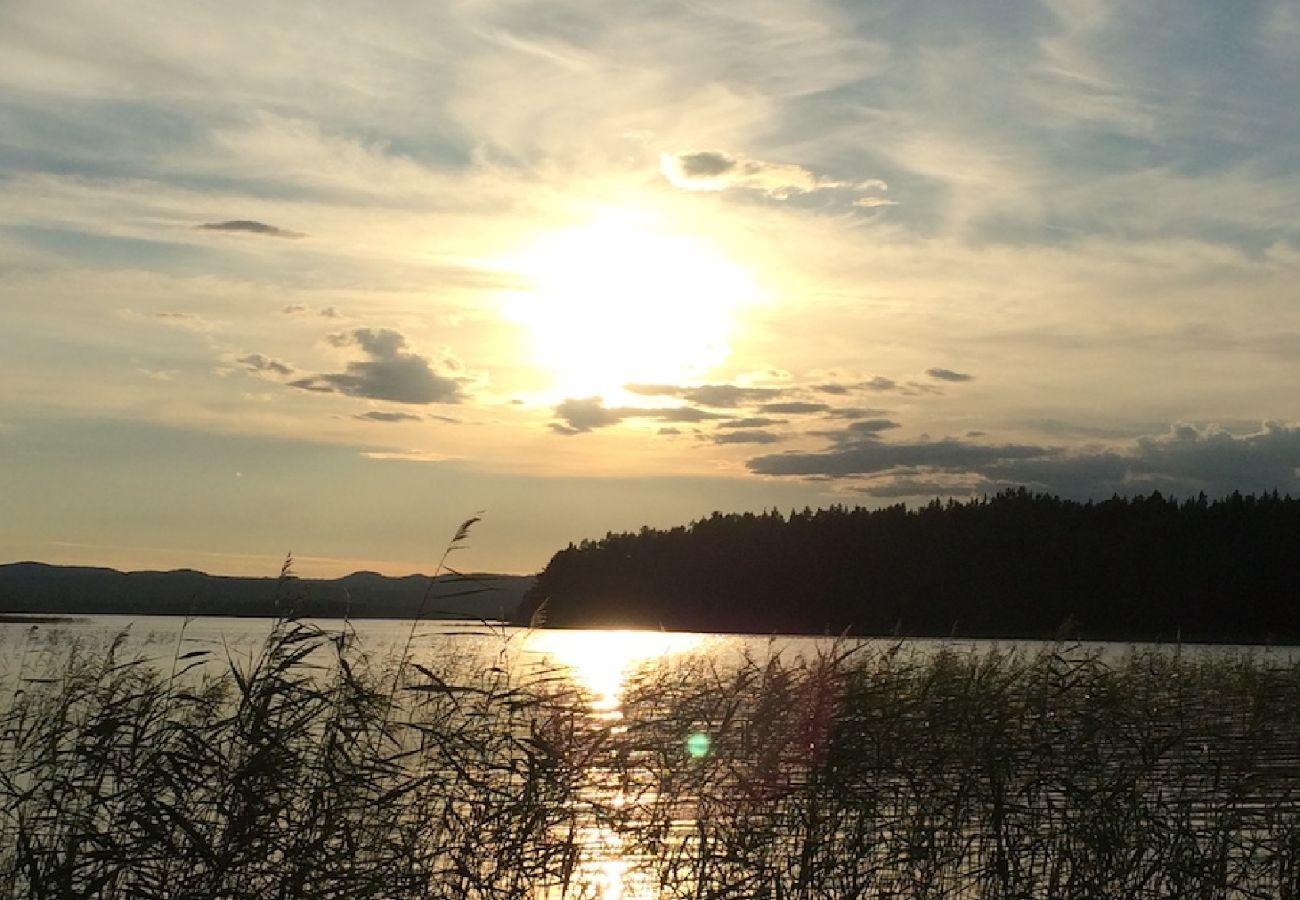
x=623 y=299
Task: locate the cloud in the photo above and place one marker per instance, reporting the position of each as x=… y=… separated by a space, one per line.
x=865 y=429
x=871 y=426
x=379 y=415
x=249 y=226
x=302 y=309
x=747 y=437
x=948 y=375
x=1187 y=459
x=880 y=383
x=794 y=407
x=713 y=170
x=720 y=396
x=704 y=164
x=579 y=415
x=854 y=412
x=265 y=365
x=874 y=202
x=389 y=373
x=752 y=422
x=871 y=457
x=921 y=487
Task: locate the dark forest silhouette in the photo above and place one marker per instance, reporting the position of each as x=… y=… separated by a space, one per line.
x=1017 y=564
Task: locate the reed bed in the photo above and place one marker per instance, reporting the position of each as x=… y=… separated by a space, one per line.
x=309 y=770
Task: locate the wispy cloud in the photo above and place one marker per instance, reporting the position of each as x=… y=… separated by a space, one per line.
x=382 y=415
x=747 y=437
x=948 y=375
x=581 y=415
x=794 y=408
x=249 y=226
x=713 y=170
x=719 y=396
x=265 y=365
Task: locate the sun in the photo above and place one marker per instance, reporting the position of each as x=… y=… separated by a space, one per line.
x=624 y=298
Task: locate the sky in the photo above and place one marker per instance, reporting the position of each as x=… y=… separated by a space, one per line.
x=331 y=278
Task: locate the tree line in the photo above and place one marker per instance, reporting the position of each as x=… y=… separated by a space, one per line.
x=1016 y=564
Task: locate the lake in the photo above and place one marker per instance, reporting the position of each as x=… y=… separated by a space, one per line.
x=628 y=765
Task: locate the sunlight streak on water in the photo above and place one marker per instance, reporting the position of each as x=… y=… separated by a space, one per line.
x=603 y=666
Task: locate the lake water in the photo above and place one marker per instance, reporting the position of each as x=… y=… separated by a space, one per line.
x=602 y=663
x=600 y=660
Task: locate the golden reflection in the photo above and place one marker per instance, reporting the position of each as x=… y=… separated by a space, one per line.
x=601 y=661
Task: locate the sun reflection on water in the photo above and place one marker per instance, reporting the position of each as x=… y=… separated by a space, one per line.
x=601 y=662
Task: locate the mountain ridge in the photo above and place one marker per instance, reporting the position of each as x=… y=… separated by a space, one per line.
x=29 y=586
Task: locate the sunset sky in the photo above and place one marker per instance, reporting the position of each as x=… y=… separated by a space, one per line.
x=329 y=278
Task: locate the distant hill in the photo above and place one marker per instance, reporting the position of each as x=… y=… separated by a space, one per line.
x=33 y=587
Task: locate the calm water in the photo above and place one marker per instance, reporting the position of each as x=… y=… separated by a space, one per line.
x=597 y=658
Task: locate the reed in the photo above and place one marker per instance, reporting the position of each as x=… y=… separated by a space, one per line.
x=310 y=770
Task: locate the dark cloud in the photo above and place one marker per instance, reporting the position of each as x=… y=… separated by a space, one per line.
x=1185 y=460
x=870 y=457
x=865 y=429
x=582 y=414
x=752 y=422
x=676 y=414
x=669 y=431
x=713 y=170
x=719 y=396
x=301 y=309
x=377 y=415
x=872 y=426
x=579 y=415
x=262 y=364
x=249 y=226
x=920 y=487
x=705 y=164
x=837 y=389
x=794 y=407
x=880 y=383
x=390 y=373
x=949 y=375
x=747 y=437
x=854 y=412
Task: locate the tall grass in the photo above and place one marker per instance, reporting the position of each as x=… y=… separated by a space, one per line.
x=999 y=774
x=301 y=772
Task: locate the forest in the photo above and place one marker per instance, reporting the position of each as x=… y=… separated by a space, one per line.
x=1017 y=565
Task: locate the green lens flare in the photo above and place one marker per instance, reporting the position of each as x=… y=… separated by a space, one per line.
x=697 y=745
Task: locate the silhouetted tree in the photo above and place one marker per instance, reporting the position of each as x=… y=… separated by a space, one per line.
x=1017 y=564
